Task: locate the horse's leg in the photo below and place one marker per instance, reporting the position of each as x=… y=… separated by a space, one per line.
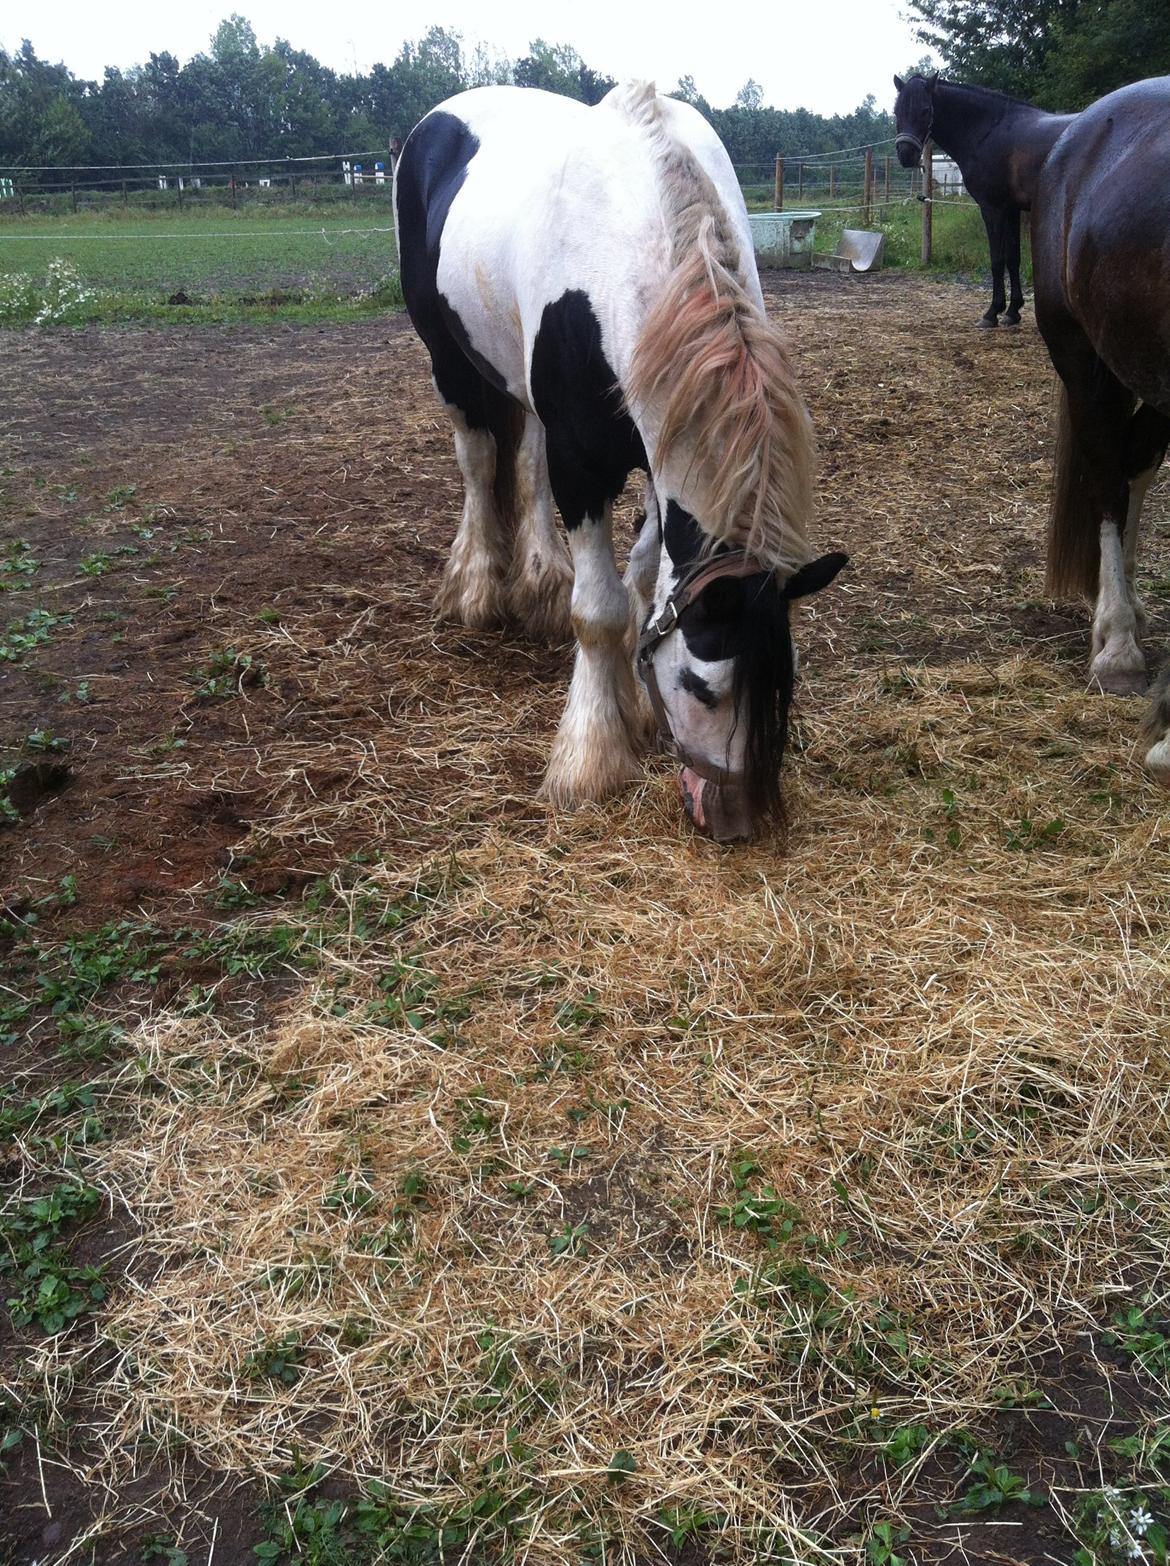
x=1146 y=440
x=642 y=569
x=1157 y=729
x=993 y=222
x=483 y=419
x=641 y=576
x=1100 y=412
x=595 y=749
x=472 y=589
x=541 y=581
x=1011 y=229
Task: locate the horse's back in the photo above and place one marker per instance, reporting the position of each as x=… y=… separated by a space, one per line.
x=1101 y=234
x=524 y=196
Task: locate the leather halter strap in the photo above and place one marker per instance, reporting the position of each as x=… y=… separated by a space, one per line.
x=913 y=141
x=735 y=563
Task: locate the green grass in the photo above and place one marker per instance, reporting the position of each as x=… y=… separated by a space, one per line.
x=296 y=262
x=959 y=238
x=315 y=261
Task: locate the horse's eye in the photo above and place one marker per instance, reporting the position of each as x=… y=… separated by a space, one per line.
x=695 y=685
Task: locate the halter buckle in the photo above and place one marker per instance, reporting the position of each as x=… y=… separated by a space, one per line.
x=664 y=625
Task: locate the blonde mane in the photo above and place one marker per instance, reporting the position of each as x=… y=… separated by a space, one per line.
x=713 y=372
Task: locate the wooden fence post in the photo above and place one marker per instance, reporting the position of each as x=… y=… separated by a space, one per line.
x=832 y=181
x=73 y=193
x=927 y=201
x=887 y=176
x=779 y=188
x=867 y=196
x=800 y=183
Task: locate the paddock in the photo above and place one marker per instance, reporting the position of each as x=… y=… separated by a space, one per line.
x=565 y=1181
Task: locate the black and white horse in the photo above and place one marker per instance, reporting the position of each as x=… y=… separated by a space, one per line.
x=584 y=281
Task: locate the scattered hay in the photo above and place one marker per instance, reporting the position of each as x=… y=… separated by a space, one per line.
x=585 y=1144
x=607 y=1142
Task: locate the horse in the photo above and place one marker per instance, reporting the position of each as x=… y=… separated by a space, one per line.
x=1101 y=277
x=584 y=281
x=1000 y=144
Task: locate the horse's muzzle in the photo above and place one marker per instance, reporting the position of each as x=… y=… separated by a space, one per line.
x=718 y=809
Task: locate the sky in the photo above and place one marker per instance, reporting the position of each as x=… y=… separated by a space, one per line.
x=824 y=55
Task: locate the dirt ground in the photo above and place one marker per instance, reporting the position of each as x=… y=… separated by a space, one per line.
x=304 y=475
x=238 y=533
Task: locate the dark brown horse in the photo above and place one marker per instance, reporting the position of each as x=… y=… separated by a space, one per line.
x=999 y=144
x=1101 y=270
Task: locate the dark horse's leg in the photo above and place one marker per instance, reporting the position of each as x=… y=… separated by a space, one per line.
x=1146 y=438
x=1011 y=227
x=1106 y=460
x=993 y=221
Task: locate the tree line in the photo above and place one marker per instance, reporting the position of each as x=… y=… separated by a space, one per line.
x=1061 y=54
x=243 y=100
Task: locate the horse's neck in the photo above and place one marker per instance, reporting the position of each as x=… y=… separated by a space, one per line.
x=993 y=139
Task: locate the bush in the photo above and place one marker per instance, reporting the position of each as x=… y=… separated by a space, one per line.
x=60 y=297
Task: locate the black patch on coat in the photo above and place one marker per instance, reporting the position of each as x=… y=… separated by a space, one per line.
x=592 y=443
x=745 y=619
x=696 y=686
x=431 y=171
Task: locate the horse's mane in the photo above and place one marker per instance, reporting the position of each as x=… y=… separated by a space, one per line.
x=979 y=91
x=713 y=372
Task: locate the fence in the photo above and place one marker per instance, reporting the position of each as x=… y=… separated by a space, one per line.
x=852 y=181
x=352 y=176
x=857 y=181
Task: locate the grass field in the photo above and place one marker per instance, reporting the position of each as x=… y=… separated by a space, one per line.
x=301 y=262
x=298 y=261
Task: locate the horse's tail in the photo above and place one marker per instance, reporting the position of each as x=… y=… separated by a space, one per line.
x=1074 y=536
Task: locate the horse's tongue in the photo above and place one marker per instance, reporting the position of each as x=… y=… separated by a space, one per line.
x=691 y=787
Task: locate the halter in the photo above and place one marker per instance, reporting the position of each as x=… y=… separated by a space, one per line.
x=735 y=563
x=912 y=140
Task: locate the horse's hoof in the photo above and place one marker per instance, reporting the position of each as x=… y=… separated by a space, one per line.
x=1120 y=682
x=1158 y=761
x=985 y=322
x=1010 y=320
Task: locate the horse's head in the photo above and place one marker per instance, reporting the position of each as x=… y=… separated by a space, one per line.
x=913 y=117
x=717 y=658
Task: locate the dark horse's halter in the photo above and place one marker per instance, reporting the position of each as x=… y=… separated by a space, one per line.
x=913 y=141
x=735 y=563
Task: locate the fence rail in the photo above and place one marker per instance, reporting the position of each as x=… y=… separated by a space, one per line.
x=846 y=180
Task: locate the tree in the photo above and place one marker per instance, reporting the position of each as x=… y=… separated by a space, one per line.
x=242 y=100
x=1103 y=45
x=1058 y=53
x=559 y=68
x=996 y=43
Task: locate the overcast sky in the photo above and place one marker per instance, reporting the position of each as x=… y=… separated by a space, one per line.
x=824 y=56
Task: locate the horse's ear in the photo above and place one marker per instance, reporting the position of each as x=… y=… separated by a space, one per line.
x=813 y=577
x=899 y=84
x=932 y=81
